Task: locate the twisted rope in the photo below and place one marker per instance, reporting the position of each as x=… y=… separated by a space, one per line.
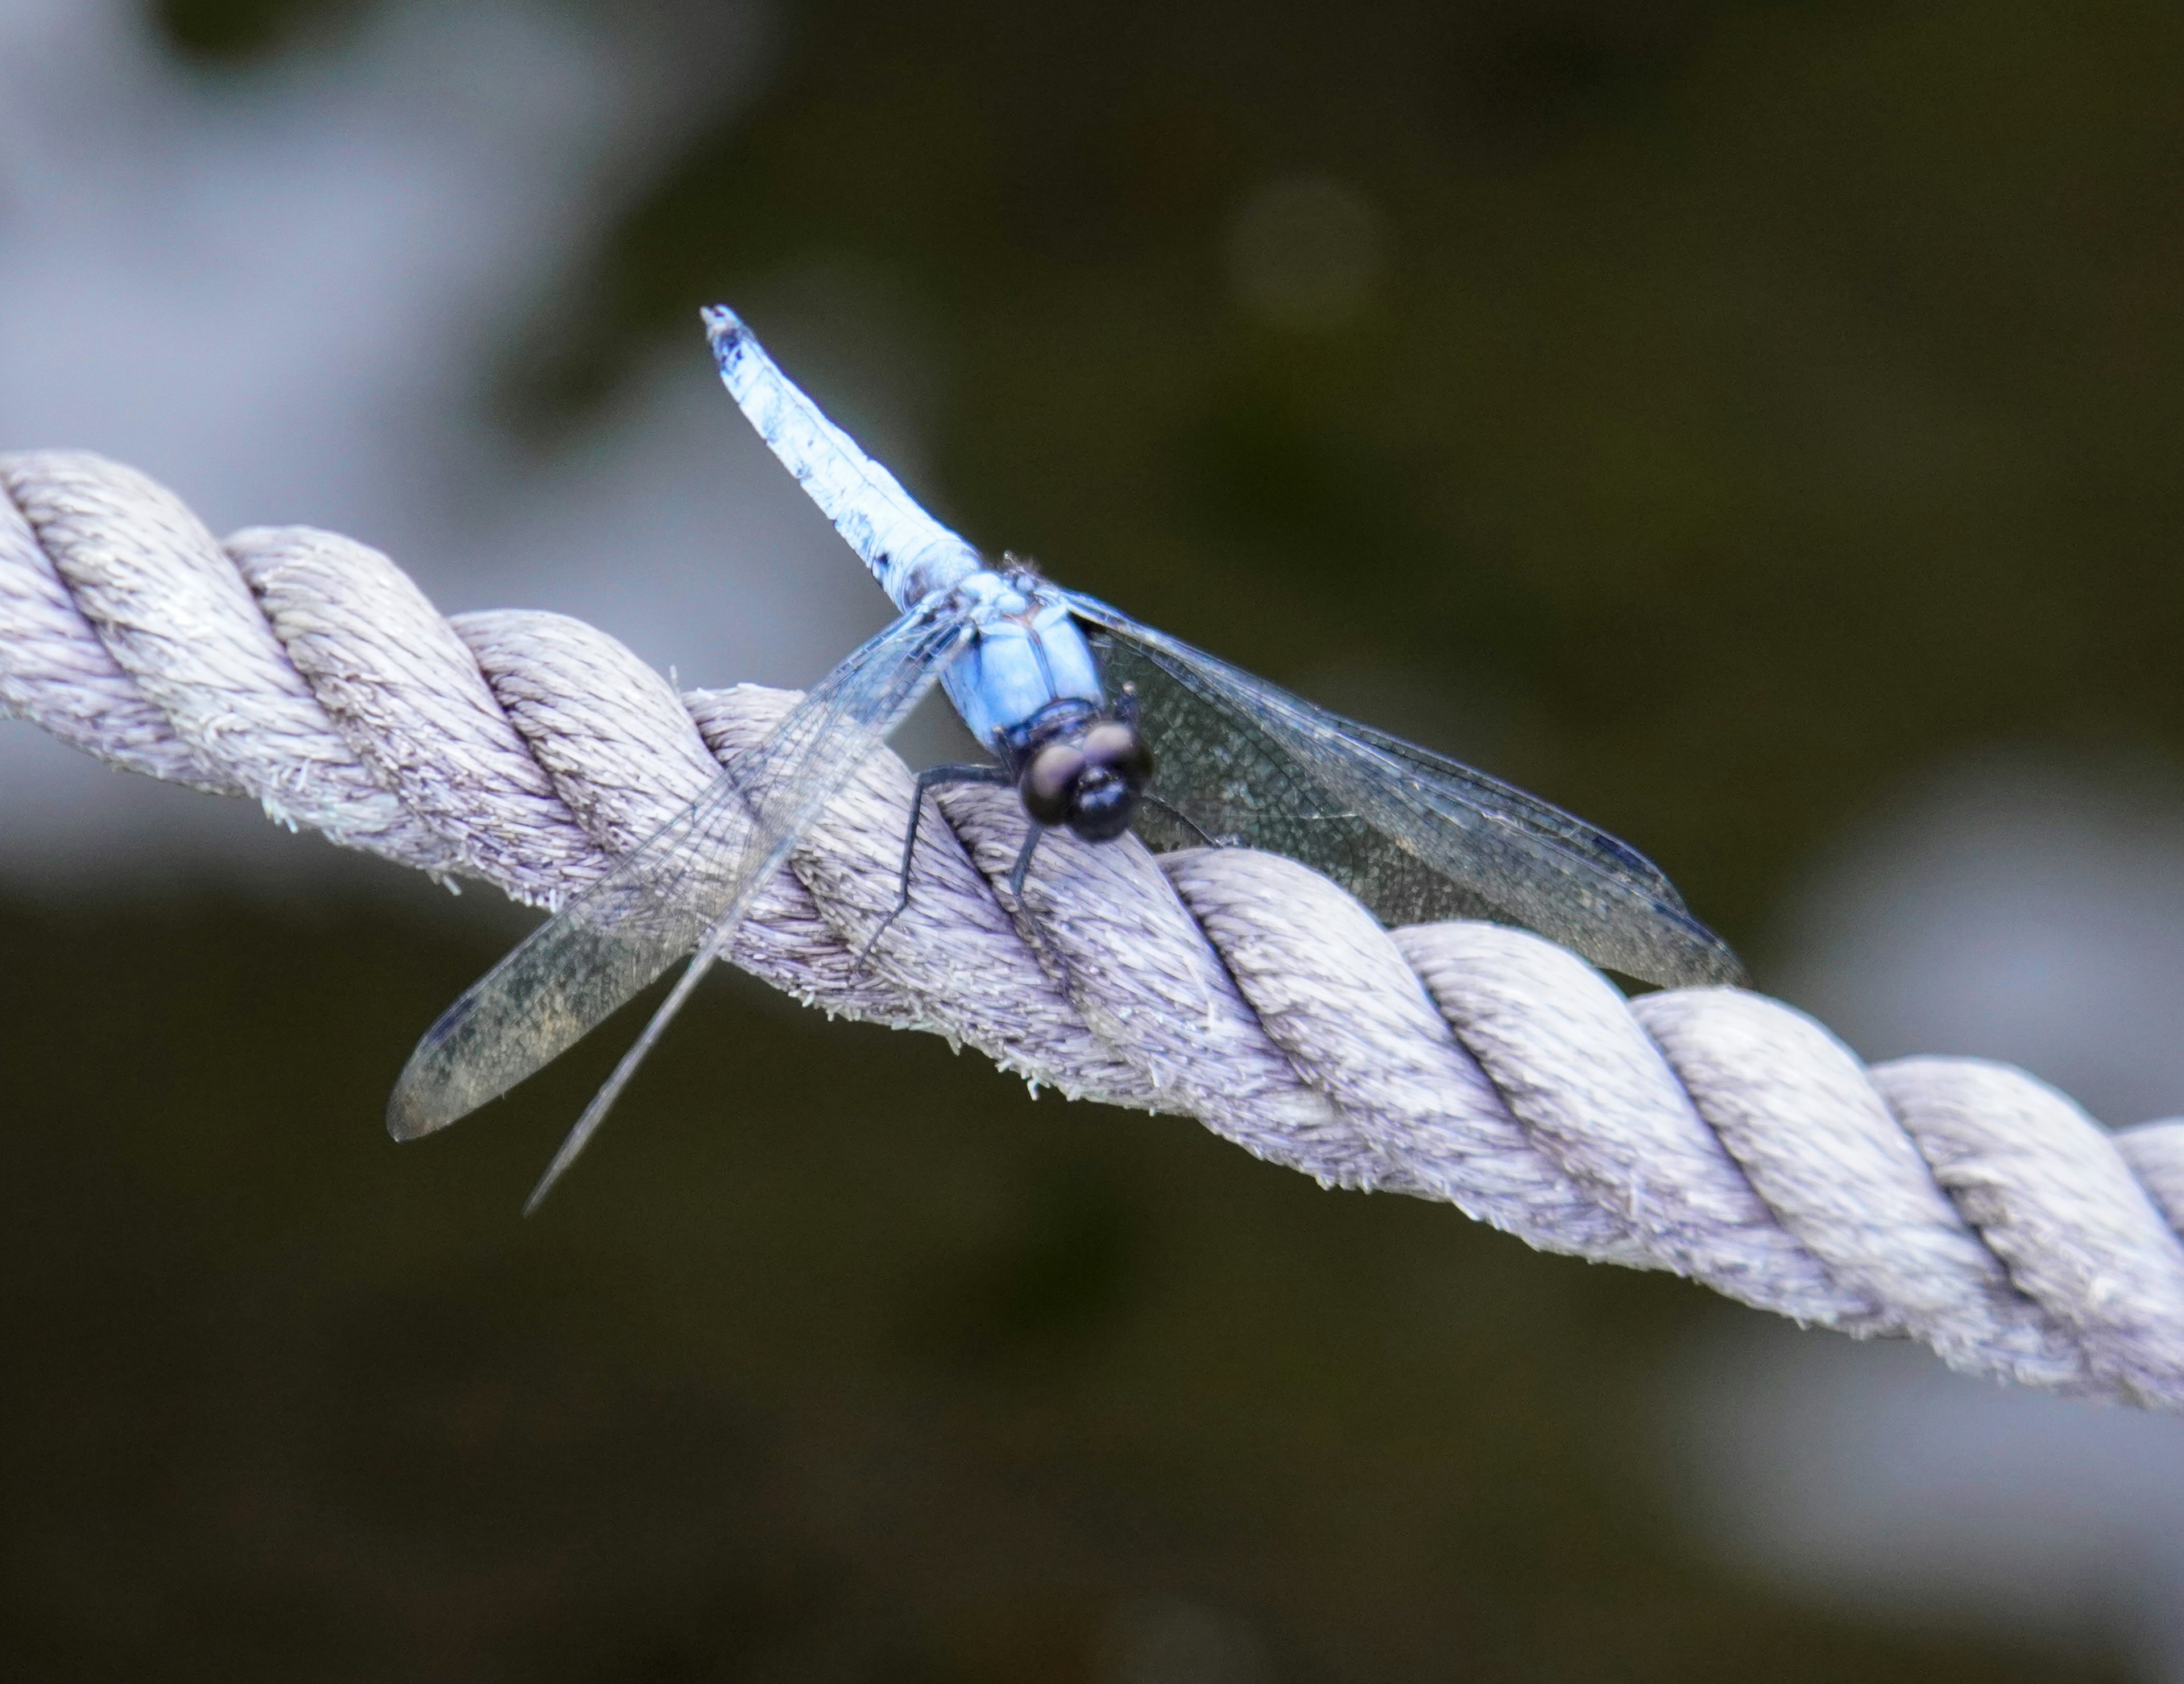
x=1712 y=1132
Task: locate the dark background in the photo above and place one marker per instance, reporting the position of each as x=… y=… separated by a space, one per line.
x=1737 y=410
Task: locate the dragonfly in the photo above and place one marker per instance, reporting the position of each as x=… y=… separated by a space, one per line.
x=1104 y=727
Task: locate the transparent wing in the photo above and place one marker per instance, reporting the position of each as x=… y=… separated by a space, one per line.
x=685 y=886
x=1412 y=834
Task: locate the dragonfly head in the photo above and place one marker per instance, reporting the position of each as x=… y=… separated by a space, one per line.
x=1088 y=779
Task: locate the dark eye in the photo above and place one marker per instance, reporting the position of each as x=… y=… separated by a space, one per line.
x=1049 y=780
x=1114 y=744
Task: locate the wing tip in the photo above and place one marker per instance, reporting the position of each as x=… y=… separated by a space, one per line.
x=1711 y=963
x=1727 y=971
x=1675 y=951
x=409 y=1118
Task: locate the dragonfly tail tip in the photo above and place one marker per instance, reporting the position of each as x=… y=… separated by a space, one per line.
x=723 y=326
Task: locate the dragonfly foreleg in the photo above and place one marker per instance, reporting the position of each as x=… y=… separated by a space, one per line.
x=932 y=777
x=1023 y=860
x=1180 y=816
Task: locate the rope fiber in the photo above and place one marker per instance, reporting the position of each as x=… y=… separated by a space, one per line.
x=1712 y=1131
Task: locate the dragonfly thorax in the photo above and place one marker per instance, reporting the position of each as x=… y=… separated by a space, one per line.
x=1026 y=652
x=1029 y=685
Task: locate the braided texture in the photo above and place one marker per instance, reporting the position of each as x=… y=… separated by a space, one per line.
x=1712 y=1132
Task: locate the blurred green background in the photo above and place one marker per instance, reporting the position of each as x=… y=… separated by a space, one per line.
x=1713 y=416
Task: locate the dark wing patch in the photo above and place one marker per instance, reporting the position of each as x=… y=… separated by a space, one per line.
x=1416 y=836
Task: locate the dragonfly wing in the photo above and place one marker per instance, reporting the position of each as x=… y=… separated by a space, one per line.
x=681 y=886
x=1414 y=835
x=1442 y=779
x=575 y=970
x=910 y=553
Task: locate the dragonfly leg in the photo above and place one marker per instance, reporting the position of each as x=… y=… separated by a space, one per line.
x=1178 y=816
x=1023 y=860
x=932 y=777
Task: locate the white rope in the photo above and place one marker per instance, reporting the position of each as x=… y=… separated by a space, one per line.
x=1710 y=1131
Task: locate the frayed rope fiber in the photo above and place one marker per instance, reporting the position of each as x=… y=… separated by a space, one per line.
x=1710 y=1131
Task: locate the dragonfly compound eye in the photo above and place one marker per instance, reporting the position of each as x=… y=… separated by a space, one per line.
x=1116 y=744
x=1049 y=782
x=1105 y=794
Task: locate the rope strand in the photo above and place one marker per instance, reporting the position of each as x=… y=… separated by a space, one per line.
x=1712 y=1132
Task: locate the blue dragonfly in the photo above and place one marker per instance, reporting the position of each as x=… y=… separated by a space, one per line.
x=1103 y=726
